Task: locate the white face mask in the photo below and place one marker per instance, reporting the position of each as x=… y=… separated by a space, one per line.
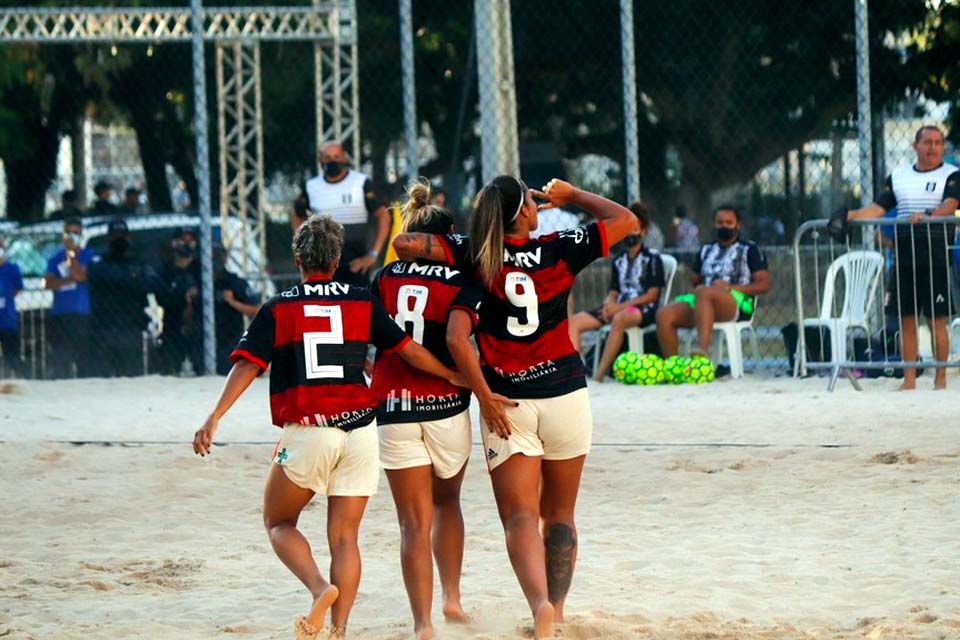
x=3 y=253
x=78 y=240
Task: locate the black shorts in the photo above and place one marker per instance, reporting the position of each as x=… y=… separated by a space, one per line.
x=649 y=312
x=930 y=295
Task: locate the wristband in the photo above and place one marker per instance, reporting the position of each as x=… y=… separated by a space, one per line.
x=373 y=253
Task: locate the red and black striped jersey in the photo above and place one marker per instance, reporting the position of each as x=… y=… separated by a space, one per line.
x=420 y=297
x=314 y=337
x=525 y=348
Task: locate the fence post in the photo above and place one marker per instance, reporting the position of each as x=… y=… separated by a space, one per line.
x=203 y=186
x=409 y=88
x=498 y=96
x=864 y=113
x=629 y=73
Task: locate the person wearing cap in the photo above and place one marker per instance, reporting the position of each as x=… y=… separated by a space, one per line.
x=68 y=321
x=179 y=297
x=348 y=197
x=119 y=283
x=233 y=300
x=102 y=205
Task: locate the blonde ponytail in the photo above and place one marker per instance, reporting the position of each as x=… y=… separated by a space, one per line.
x=486 y=233
x=418 y=215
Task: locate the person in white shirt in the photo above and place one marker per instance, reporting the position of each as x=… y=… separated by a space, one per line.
x=348 y=197
x=930 y=187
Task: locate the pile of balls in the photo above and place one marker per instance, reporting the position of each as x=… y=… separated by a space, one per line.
x=633 y=368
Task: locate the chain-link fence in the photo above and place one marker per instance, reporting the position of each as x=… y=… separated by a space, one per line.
x=753 y=104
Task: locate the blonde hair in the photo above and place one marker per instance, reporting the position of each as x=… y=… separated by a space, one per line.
x=487 y=224
x=418 y=215
x=317 y=243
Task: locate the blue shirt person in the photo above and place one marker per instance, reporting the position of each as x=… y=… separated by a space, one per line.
x=11 y=283
x=68 y=325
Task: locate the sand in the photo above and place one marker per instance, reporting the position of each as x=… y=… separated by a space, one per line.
x=760 y=508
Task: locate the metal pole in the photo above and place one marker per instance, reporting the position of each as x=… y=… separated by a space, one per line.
x=498 y=98
x=864 y=113
x=629 y=71
x=409 y=88
x=203 y=186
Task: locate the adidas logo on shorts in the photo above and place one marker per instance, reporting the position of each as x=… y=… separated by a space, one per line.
x=491 y=454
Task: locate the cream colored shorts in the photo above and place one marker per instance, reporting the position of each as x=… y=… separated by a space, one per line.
x=329 y=461
x=444 y=443
x=557 y=428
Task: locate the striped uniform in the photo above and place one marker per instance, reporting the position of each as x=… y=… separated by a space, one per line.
x=922 y=281
x=315 y=335
x=633 y=278
x=735 y=264
x=420 y=298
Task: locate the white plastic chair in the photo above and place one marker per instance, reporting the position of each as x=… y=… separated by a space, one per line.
x=732 y=334
x=861 y=274
x=635 y=334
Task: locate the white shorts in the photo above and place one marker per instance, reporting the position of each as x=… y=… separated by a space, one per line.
x=443 y=443
x=330 y=461
x=557 y=428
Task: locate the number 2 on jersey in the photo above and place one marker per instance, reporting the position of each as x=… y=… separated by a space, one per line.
x=521 y=293
x=312 y=340
x=411 y=305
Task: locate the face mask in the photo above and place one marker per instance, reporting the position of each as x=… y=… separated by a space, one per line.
x=119 y=246
x=77 y=240
x=725 y=234
x=332 y=168
x=633 y=240
x=183 y=249
x=3 y=253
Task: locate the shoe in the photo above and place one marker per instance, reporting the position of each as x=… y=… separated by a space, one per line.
x=721 y=371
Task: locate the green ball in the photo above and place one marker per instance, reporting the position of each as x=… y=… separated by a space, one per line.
x=626 y=368
x=700 y=370
x=651 y=369
x=674 y=369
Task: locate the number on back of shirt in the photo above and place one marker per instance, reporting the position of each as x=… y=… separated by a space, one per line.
x=521 y=293
x=314 y=341
x=411 y=305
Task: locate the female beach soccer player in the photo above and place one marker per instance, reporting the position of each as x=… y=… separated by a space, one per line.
x=537 y=457
x=314 y=338
x=424 y=421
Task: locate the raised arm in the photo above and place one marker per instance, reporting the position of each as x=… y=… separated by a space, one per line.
x=618 y=221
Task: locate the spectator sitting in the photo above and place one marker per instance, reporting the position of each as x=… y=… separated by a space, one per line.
x=11 y=283
x=686 y=234
x=179 y=297
x=69 y=207
x=119 y=283
x=637 y=277
x=102 y=205
x=234 y=299
x=728 y=275
x=68 y=322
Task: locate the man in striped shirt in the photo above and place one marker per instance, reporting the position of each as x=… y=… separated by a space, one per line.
x=930 y=187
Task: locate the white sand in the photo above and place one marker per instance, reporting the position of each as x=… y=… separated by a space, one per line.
x=678 y=538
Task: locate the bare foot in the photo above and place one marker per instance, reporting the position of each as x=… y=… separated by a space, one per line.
x=599 y=378
x=336 y=633
x=425 y=633
x=308 y=628
x=543 y=621
x=453 y=612
x=939 y=384
x=907 y=386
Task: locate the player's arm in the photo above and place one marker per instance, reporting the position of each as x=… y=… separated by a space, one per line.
x=647 y=297
x=417 y=356
x=884 y=203
x=419 y=246
x=759 y=284
x=459 y=328
x=241 y=375
x=382 y=215
x=617 y=220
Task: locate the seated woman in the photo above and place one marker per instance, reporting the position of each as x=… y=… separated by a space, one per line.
x=728 y=275
x=636 y=278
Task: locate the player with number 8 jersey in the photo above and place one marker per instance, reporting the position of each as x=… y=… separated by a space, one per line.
x=536 y=457
x=314 y=338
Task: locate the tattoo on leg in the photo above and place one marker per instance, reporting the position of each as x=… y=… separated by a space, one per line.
x=560 y=543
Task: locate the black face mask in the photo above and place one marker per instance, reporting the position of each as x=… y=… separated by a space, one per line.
x=183 y=250
x=633 y=240
x=725 y=234
x=119 y=246
x=332 y=168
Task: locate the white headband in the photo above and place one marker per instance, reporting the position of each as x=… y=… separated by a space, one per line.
x=519 y=206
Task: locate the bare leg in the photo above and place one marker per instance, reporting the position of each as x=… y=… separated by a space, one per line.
x=282 y=503
x=558 y=499
x=908 y=344
x=669 y=319
x=941 y=349
x=623 y=320
x=579 y=323
x=343 y=526
x=448 y=542
x=712 y=305
x=516 y=485
x=412 y=494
